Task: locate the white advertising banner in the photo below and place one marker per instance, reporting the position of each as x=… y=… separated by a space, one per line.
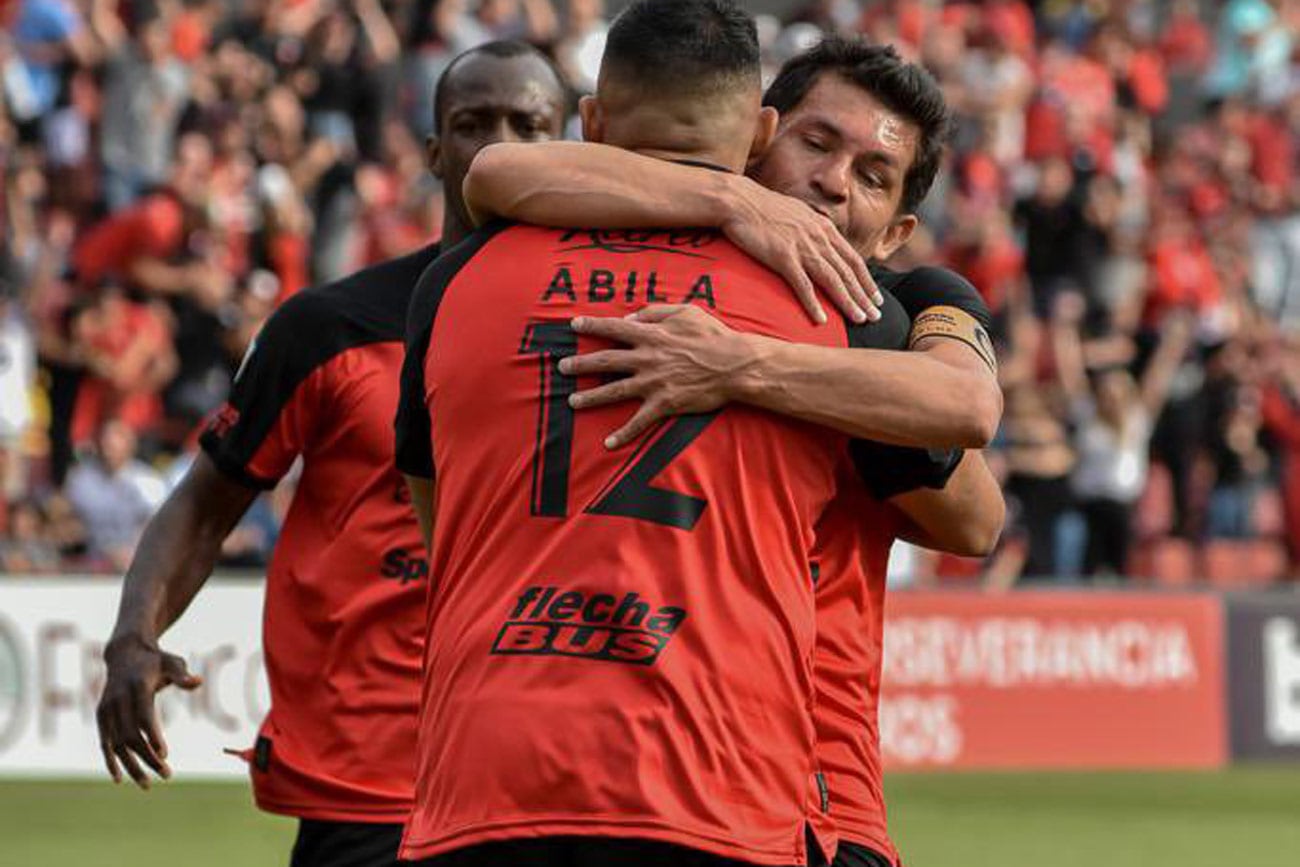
x=52 y=634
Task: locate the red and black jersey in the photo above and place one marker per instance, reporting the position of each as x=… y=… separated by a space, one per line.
x=620 y=642
x=344 y=616
x=852 y=552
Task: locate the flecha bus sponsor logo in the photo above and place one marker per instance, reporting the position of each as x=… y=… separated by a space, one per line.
x=549 y=621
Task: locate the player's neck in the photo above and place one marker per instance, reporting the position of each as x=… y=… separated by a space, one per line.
x=716 y=158
x=454 y=230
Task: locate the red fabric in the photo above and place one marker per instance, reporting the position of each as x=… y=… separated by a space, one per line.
x=1146 y=76
x=1273 y=153
x=289 y=254
x=153 y=227
x=1186 y=43
x=1183 y=276
x=993 y=269
x=189 y=36
x=99 y=400
x=1044 y=131
x=343 y=620
x=853 y=541
x=1281 y=417
x=1013 y=21
x=693 y=727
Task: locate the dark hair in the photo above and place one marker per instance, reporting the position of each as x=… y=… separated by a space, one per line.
x=503 y=49
x=904 y=88
x=683 y=46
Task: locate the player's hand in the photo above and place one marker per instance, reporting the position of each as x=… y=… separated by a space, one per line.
x=677 y=359
x=805 y=249
x=129 y=731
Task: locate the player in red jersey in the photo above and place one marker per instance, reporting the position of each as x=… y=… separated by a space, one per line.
x=620 y=645
x=344 y=606
x=859 y=140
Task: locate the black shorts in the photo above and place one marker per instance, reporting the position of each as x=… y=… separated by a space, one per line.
x=857 y=855
x=346 y=844
x=579 y=852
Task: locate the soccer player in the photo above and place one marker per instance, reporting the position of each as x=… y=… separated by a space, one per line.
x=343 y=627
x=859 y=140
x=620 y=645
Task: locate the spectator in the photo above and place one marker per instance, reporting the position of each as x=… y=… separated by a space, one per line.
x=114 y=494
x=583 y=44
x=1052 y=220
x=144 y=93
x=1141 y=156
x=129 y=357
x=17 y=381
x=46 y=34
x=1281 y=412
x=28 y=549
x=1114 y=418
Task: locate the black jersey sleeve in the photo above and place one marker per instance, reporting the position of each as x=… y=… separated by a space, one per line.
x=411 y=427
x=942 y=303
x=890 y=470
x=256 y=435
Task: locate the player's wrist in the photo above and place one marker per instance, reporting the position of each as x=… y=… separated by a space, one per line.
x=128 y=641
x=731 y=201
x=748 y=378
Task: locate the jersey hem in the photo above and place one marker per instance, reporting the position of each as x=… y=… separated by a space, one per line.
x=597 y=827
x=325 y=813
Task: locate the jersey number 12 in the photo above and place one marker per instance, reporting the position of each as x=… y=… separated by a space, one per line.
x=629 y=493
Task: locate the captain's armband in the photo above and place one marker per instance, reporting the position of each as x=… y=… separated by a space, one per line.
x=957 y=324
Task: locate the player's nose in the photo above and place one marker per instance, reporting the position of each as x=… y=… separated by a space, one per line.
x=830 y=181
x=502 y=131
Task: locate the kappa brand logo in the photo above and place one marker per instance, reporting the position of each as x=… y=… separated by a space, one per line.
x=546 y=621
x=403 y=566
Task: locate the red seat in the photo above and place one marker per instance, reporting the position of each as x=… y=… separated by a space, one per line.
x=1233 y=564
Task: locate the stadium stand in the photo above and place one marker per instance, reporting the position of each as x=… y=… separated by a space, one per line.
x=173 y=169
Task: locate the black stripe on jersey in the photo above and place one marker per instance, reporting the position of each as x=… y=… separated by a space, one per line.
x=414 y=449
x=307 y=331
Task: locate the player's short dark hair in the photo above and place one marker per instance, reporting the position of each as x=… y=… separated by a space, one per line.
x=904 y=88
x=504 y=49
x=683 y=47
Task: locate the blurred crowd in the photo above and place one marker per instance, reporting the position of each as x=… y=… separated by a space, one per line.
x=1122 y=189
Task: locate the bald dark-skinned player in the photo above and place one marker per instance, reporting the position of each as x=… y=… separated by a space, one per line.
x=343 y=620
x=619 y=667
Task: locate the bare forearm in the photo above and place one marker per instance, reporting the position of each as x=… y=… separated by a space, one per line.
x=422 y=502
x=965 y=517
x=903 y=398
x=570 y=183
x=176 y=554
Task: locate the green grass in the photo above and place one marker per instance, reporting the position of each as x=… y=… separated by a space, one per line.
x=1246 y=817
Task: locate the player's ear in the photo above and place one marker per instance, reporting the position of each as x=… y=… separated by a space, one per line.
x=593 y=120
x=433 y=156
x=764 y=132
x=899 y=233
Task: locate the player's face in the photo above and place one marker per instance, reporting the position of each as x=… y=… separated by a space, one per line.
x=843 y=152
x=490 y=100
